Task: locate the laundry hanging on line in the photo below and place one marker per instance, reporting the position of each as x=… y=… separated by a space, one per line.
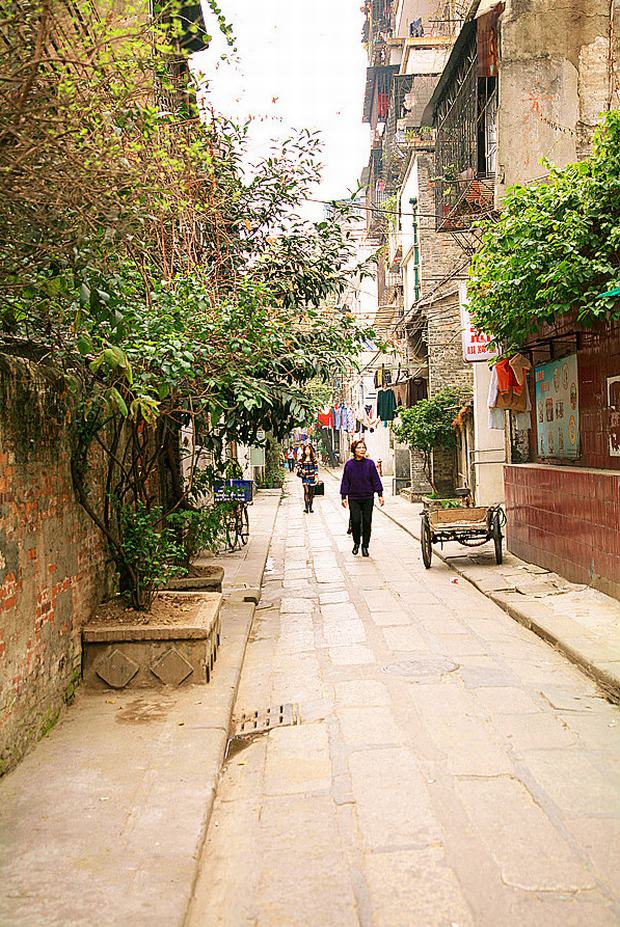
x=386 y=405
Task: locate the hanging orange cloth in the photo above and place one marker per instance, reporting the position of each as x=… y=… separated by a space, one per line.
x=512 y=383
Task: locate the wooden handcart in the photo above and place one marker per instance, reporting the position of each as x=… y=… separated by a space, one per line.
x=471 y=526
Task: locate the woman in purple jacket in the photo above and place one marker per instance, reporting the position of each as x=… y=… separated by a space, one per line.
x=360 y=482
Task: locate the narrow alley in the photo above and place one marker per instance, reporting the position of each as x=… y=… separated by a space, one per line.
x=448 y=768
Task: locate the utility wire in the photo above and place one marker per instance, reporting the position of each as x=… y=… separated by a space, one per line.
x=395 y=212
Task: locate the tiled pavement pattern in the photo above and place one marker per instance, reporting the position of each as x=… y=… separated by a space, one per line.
x=451 y=769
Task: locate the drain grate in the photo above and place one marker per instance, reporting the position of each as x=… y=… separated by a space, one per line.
x=261 y=722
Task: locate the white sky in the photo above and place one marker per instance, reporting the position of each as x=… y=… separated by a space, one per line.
x=300 y=65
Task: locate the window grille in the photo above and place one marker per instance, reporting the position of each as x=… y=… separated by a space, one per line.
x=466 y=145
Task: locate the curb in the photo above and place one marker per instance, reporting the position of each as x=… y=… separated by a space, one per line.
x=607 y=678
x=242 y=601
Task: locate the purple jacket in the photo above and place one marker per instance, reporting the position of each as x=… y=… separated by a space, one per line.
x=360 y=479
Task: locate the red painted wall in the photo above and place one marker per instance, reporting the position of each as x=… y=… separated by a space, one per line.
x=598 y=357
x=567 y=520
x=565 y=514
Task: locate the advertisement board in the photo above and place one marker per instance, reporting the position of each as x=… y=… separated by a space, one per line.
x=557 y=408
x=476 y=345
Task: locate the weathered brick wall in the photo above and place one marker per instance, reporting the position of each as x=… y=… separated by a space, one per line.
x=440 y=254
x=443 y=262
x=52 y=561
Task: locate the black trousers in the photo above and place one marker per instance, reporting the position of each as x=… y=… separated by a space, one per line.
x=361 y=520
x=308 y=495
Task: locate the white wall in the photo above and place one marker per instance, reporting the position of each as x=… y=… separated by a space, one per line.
x=424 y=60
x=409 y=190
x=490 y=444
x=408 y=10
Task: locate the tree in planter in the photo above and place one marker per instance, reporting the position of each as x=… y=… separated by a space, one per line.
x=151 y=552
x=427 y=426
x=170 y=287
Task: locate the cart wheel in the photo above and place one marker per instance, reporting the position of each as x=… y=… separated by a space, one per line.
x=497 y=538
x=426 y=542
x=244 y=526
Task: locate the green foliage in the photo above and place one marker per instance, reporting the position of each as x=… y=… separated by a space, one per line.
x=274 y=470
x=555 y=247
x=199 y=529
x=151 y=551
x=179 y=291
x=390 y=211
x=428 y=425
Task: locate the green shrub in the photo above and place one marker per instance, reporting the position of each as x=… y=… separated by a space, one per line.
x=151 y=552
x=198 y=529
x=427 y=425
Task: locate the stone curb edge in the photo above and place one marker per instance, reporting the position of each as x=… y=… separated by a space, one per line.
x=229 y=605
x=608 y=680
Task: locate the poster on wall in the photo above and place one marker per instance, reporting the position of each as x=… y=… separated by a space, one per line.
x=557 y=408
x=613 y=401
x=476 y=345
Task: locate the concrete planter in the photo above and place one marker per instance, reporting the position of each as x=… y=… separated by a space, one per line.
x=210 y=580
x=125 y=656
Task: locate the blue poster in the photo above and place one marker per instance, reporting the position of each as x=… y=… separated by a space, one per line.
x=557 y=408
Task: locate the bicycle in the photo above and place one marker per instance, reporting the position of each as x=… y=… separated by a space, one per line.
x=237 y=526
x=236 y=522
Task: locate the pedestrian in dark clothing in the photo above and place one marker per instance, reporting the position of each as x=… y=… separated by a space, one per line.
x=290 y=458
x=308 y=470
x=360 y=482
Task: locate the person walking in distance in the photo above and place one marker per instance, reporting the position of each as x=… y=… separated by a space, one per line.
x=360 y=482
x=290 y=458
x=308 y=470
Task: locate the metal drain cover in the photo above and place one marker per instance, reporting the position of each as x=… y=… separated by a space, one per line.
x=259 y=722
x=435 y=666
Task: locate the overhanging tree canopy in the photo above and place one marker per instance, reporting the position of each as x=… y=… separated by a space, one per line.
x=555 y=248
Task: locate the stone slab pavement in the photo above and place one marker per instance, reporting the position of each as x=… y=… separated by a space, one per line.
x=450 y=768
x=576 y=619
x=103 y=822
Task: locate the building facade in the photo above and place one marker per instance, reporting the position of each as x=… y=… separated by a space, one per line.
x=525 y=83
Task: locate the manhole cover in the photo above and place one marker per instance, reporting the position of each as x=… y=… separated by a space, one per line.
x=258 y=722
x=436 y=666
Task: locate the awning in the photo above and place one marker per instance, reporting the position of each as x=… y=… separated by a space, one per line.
x=458 y=50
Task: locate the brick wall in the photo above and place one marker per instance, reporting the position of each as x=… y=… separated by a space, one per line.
x=441 y=257
x=52 y=562
x=440 y=254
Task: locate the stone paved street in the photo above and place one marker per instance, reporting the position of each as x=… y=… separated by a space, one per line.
x=450 y=769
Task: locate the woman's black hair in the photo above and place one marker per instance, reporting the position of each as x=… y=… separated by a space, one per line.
x=312 y=453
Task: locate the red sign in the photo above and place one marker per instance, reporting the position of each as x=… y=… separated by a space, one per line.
x=476 y=345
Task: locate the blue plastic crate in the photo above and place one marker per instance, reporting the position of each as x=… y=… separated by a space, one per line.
x=233 y=490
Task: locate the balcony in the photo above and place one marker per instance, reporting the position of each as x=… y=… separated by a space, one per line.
x=393 y=279
x=463 y=111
